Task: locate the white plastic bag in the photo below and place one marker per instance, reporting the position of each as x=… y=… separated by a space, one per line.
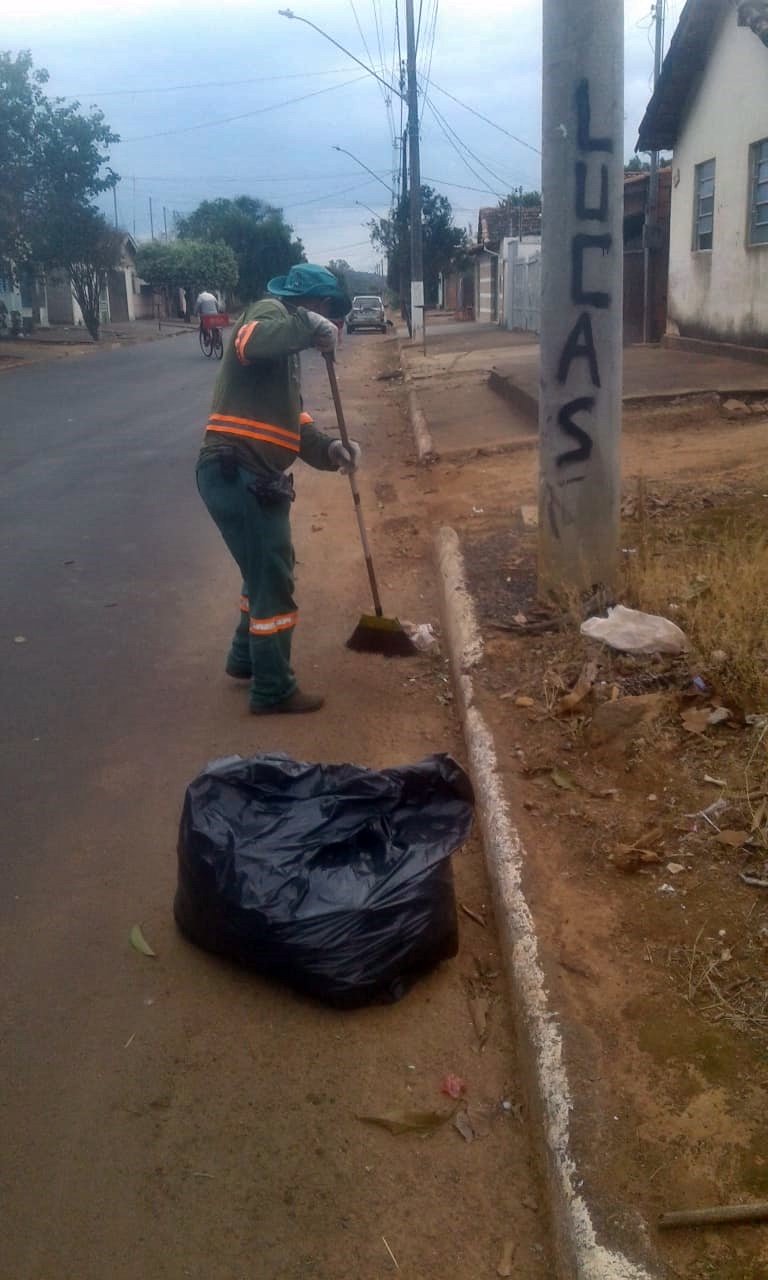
x=634 y=632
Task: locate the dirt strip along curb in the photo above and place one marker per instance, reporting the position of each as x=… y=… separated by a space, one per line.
x=541 y=1047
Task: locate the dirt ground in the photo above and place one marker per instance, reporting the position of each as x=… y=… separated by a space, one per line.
x=181 y=1119
x=172 y=1116
x=654 y=948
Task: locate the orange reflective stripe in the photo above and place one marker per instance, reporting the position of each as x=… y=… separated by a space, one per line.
x=255 y=435
x=243 y=604
x=241 y=338
x=270 y=626
x=251 y=422
x=227 y=424
x=305 y=419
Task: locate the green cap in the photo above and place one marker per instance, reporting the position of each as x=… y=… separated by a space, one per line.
x=308 y=280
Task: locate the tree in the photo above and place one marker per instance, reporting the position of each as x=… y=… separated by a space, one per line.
x=86 y=248
x=355 y=281
x=191 y=265
x=255 y=232
x=518 y=222
x=443 y=244
x=52 y=162
x=636 y=165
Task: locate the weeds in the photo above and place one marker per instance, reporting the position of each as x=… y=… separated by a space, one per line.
x=708 y=573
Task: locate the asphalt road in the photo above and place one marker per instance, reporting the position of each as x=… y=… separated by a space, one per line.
x=173 y=1117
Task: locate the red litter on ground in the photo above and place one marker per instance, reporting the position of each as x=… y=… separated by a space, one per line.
x=453 y=1086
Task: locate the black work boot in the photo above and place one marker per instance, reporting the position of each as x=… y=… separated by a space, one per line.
x=237 y=670
x=297 y=703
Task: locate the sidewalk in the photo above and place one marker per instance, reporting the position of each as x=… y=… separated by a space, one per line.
x=61 y=341
x=651 y=374
x=469 y=368
x=456 y=417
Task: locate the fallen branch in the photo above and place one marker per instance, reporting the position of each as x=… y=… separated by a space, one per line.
x=715 y=1216
x=536 y=628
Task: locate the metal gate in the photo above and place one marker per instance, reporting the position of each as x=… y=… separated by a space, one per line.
x=524 y=299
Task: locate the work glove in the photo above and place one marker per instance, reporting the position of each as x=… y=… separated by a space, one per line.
x=324 y=334
x=347 y=459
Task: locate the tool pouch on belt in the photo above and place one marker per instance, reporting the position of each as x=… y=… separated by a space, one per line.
x=272 y=489
x=228 y=463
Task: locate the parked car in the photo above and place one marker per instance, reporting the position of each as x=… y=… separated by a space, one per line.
x=367 y=313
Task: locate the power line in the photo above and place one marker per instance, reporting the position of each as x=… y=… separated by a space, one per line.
x=244 y=178
x=446 y=126
x=192 y=128
x=384 y=92
x=430 y=41
x=331 y=195
x=455 y=147
x=205 y=84
x=492 y=123
x=443 y=182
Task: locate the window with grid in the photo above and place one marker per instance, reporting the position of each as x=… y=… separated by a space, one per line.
x=758 y=216
x=704 y=205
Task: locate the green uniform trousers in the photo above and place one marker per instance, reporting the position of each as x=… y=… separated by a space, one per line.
x=257 y=532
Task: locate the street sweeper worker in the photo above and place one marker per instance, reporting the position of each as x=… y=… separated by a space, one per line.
x=256 y=429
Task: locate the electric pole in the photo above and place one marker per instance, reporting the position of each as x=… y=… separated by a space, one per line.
x=114 y=196
x=151 y=220
x=581 y=305
x=417 y=266
x=650 y=229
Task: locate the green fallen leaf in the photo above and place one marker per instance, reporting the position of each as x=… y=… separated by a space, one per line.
x=563 y=779
x=137 y=940
x=422 y=1122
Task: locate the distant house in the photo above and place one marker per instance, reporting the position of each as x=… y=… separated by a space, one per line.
x=125 y=298
x=26 y=297
x=494 y=226
x=642 y=253
x=710 y=106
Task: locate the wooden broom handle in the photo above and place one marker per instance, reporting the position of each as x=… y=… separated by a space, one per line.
x=329 y=363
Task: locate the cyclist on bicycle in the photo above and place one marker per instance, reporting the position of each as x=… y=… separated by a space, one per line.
x=207 y=304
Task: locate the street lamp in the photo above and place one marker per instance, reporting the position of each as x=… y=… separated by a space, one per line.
x=367 y=170
x=288 y=13
x=368 y=207
x=411 y=98
x=378 y=218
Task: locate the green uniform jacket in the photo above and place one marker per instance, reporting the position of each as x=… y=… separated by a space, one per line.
x=257 y=407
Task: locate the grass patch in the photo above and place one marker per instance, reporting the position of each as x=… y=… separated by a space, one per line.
x=707 y=571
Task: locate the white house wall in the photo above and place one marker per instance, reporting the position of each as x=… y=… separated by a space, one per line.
x=722 y=294
x=483 y=310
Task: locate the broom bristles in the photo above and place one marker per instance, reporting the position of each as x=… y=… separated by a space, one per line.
x=375 y=634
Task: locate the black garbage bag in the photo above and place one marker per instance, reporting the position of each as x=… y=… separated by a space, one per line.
x=335 y=879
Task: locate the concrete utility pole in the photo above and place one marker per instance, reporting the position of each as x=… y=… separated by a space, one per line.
x=417 y=265
x=581 y=304
x=650 y=229
x=151 y=221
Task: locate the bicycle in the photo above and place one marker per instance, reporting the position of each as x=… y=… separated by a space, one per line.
x=211 y=342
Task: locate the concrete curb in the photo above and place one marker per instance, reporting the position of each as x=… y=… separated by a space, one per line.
x=528 y=404
x=425 y=449
x=578 y=1256
x=577 y=1252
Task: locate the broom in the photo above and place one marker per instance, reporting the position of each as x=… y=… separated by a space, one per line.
x=374 y=633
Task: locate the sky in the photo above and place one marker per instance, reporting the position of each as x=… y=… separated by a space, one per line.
x=229 y=98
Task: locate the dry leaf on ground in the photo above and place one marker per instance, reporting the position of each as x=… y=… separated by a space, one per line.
x=733 y=839
x=397 y=1122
